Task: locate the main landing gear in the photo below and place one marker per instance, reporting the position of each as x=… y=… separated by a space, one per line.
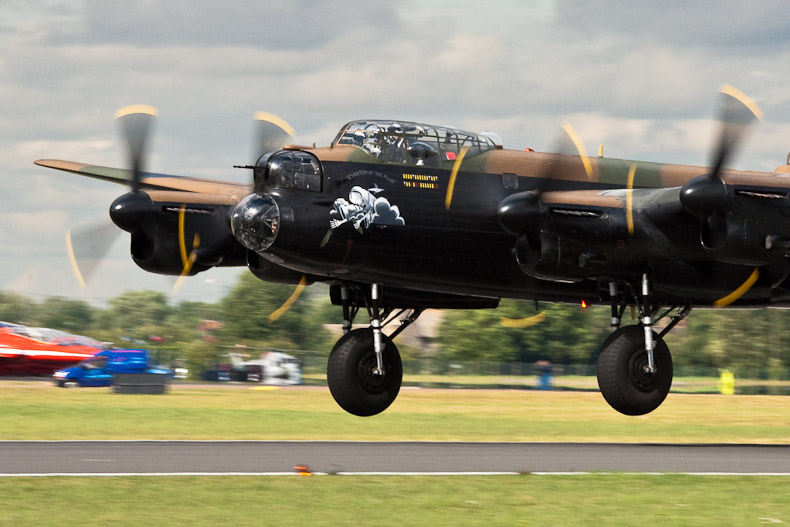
x=635 y=366
x=364 y=372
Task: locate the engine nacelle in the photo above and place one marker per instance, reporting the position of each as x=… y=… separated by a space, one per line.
x=576 y=242
x=171 y=235
x=570 y=236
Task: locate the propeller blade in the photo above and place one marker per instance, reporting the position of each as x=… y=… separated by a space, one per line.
x=448 y=199
x=271 y=133
x=519 y=213
x=737 y=112
x=525 y=322
x=290 y=301
x=87 y=248
x=707 y=194
x=740 y=290
x=569 y=156
x=187 y=259
x=135 y=122
x=571 y=145
x=187 y=268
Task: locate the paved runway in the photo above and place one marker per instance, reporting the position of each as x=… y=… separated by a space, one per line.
x=273 y=457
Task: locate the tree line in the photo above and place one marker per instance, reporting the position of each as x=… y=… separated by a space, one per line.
x=567 y=334
x=515 y=332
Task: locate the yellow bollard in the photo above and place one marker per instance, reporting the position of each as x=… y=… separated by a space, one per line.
x=727 y=382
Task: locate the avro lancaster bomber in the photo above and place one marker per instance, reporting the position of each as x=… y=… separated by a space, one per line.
x=398 y=217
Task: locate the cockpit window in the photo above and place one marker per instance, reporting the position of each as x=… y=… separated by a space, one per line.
x=289 y=169
x=402 y=142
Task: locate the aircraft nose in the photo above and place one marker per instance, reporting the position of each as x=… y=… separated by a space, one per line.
x=256 y=221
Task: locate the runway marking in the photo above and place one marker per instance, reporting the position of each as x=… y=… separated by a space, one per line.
x=454 y=474
x=401 y=442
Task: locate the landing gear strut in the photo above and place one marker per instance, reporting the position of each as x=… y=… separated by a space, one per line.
x=364 y=371
x=635 y=366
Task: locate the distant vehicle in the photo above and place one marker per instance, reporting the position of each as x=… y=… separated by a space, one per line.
x=40 y=351
x=100 y=369
x=273 y=367
x=180 y=370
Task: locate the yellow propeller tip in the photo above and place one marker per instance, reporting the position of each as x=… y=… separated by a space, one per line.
x=740 y=291
x=577 y=143
x=453 y=175
x=744 y=99
x=523 y=322
x=136 y=108
x=75 y=268
x=275 y=120
x=283 y=309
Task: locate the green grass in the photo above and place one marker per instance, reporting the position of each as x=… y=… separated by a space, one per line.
x=680 y=384
x=40 y=411
x=610 y=500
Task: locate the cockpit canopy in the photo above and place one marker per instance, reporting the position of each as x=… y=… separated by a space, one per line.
x=413 y=143
x=395 y=142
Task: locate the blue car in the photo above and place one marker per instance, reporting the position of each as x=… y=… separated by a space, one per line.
x=100 y=369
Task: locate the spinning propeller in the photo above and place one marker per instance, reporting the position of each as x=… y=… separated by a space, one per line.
x=135 y=123
x=135 y=212
x=187 y=260
x=519 y=213
x=88 y=246
x=705 y=197
x=271 y=133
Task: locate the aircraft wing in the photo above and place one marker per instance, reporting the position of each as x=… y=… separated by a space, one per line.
x=149 y=181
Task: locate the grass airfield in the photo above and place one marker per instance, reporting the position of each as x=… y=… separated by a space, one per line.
x=610 y=500
x=39 y=411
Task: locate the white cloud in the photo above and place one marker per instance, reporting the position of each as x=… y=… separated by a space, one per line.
x=299 y=24
x=715 y=24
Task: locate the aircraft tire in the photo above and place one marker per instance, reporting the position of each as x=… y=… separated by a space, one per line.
x=623 y=384
x=349 y=374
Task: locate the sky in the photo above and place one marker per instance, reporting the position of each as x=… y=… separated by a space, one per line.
x=640 y=77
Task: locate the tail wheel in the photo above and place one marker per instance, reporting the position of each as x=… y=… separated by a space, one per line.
x=623 y=377
x=350 y=375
